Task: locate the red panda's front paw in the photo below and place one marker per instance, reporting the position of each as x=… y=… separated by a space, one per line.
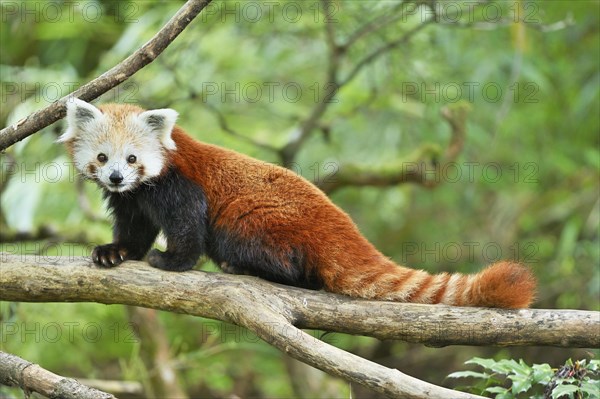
x=109 y=255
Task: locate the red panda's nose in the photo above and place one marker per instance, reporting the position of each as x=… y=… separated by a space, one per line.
x=116 y=177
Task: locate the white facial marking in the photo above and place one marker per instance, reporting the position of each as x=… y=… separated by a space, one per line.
x=117 y=174
x=118 y=150
x=160 y=122
x=80 y=117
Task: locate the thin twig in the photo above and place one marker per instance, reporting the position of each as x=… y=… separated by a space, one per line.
x=507 y=22
x=389 y=17
x=224 y=125
x=333 y=83
x=383 y=50
x=289 y=151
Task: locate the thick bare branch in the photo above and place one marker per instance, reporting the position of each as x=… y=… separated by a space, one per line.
x=267 y=309
x=221 y=296
x=276 y=330
x=15 y=371
x=275 y=313
x=115 y=76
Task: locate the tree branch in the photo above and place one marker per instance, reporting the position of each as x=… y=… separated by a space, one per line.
x=332 y=81
x=274 y=329
x=115 y=76
x=426 y=160
x=32 y=378
x=222 y=121
x=393 y=15
x=375 y=54
x=156 y=355
x=331 y=87
x=275 y=313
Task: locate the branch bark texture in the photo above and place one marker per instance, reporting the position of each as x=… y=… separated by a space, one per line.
x=15 y=371
x=276 y=313
x=113 y=77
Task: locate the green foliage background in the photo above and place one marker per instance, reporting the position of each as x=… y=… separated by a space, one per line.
x=527 y=183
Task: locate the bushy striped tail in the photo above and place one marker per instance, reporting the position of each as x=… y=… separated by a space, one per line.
x=501 y=285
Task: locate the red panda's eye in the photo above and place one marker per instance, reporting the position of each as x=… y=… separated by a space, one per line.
x=131 y=159
x=102 y=158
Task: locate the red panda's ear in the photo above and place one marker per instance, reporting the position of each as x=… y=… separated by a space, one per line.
x=80 y=115
x=161 y=123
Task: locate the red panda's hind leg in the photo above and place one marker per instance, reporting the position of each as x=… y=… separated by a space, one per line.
x=171 y=261
x=262 y=257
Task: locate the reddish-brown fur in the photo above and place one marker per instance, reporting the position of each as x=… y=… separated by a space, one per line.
x=289 y=212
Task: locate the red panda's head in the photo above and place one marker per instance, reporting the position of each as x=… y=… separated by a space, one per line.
x=119 y=146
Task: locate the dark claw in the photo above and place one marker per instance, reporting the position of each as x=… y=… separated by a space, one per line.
x=95 y=258
x=108 y=255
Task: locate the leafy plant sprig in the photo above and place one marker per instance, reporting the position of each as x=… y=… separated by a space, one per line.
x=509 y=379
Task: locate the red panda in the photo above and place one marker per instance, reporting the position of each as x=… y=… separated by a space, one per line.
x=248 y=216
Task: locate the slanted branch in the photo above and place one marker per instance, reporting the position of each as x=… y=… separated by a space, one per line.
x=33 y=378
x=276 y=313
